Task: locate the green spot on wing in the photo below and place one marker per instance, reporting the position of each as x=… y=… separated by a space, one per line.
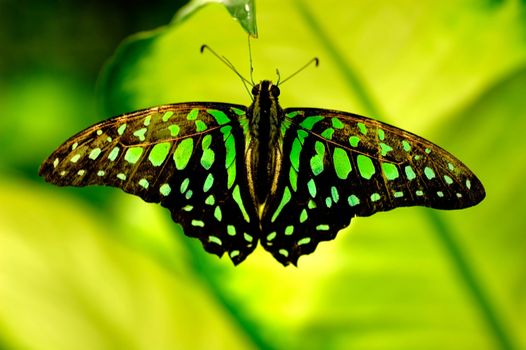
x=208 y=156
x=295 y=151
x=220 y=116
x=218 y=214
x=208 y=183
x=283 y=252
x=304 y=215
x=174 y=130
x=165 y=189
x=365 y=166
x=309 y=122
x=303 y=241
x=167 y=115
x=353 y=200
x=353 y=141
x=114 y=153
x=200 y=126
x=390 y=171
x=362 y=128
x=237 y=111
x=144 y=183
x=75 y=158
x=147 y=120
x=430 y=174
x=327 y=133
x=342 y=163
x=406 y=145
x=293 y=177
x=94 y=153
x=409 y=172
x=140 y=134
x=230 y=146
x=293 y=114
x=210 y=200
x=159 y=153
x=385 y=149
x=198 y=223
x=337 y=123
x=184 y=185
x=133 y=154
x=311 y=185
x=335 y=194
x=183 y=153
x=214 y=239
x=188 y=207
x=316 y=162
x=121 y=129
x=192 y=115
x=236 y=194
x=284 y=200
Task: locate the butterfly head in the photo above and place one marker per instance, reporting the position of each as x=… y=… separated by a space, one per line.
x=265 y=88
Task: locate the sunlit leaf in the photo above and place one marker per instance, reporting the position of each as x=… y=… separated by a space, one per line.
x=242 y=10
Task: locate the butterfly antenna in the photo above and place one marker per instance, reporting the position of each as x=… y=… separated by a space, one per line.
x=316 y=62
x=250 y=60
x=231 y=66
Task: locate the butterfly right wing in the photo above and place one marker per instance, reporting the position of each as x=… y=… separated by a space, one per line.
x=188 y=157
x=340 y=165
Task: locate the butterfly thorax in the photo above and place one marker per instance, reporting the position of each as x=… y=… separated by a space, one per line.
x=263 y=153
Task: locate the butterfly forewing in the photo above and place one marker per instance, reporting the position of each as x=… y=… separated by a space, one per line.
x=339 y=165
x=188 y=157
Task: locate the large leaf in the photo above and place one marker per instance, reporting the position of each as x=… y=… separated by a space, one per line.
x=242 y=10
x=451 y=71
x=65 y=283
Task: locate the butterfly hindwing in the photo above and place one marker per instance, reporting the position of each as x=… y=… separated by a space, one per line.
x=188 y=157
x=338 y=165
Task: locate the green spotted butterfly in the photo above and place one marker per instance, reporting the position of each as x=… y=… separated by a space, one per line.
x=290 y=178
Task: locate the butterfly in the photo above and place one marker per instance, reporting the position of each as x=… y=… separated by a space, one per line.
x=235 y=176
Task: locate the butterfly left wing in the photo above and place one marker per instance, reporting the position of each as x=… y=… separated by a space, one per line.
x=338 y=165
x=185 y=156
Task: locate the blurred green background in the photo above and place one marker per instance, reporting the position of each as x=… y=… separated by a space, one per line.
x=94 y=268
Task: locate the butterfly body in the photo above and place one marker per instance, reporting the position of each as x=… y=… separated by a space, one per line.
x=264 y=151
x=235 y=176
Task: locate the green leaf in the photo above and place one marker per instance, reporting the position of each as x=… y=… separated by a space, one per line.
x=64 y=278
x=242 y=10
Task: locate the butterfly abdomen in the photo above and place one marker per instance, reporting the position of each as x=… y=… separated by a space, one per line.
x=263 y=151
